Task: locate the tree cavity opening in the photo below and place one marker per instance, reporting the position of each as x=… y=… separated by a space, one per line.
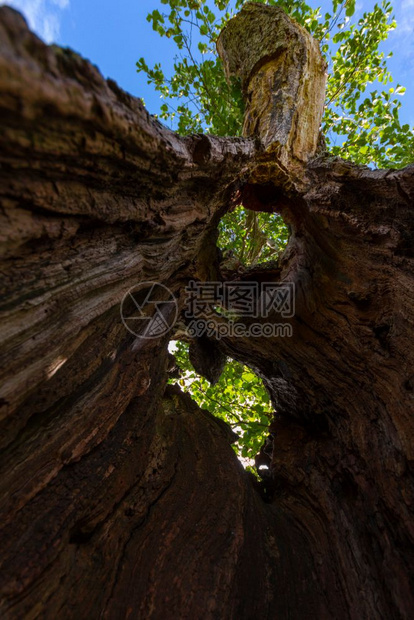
x=238 y=397
x=254 y=231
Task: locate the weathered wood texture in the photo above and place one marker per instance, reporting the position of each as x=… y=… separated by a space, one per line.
x=122 y=499
x=97 y=196
x=283 y=78
x=343 y=384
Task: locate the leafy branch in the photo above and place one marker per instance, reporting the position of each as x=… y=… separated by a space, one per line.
x=248 y=409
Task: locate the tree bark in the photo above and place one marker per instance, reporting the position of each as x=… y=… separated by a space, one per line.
x=120 y=497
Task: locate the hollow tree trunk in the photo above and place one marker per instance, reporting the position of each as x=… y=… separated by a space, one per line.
x=120 y=497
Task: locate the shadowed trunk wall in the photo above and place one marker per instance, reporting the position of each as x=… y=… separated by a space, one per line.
x=120 y=498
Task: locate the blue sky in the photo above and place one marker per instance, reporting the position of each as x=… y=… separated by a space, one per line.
x=113 y=35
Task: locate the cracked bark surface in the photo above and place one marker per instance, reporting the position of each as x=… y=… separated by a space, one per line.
x=119 y=497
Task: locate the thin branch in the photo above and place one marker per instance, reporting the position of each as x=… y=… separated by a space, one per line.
x=201 y=76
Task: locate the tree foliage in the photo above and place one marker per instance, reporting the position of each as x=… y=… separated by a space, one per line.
x=239 y=398
x=253 y=237
x=361 y=122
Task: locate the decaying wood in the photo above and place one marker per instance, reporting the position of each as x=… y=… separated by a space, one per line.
x=343 y=384
x=97 y=196
x=282 y=75
x=119 y=496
